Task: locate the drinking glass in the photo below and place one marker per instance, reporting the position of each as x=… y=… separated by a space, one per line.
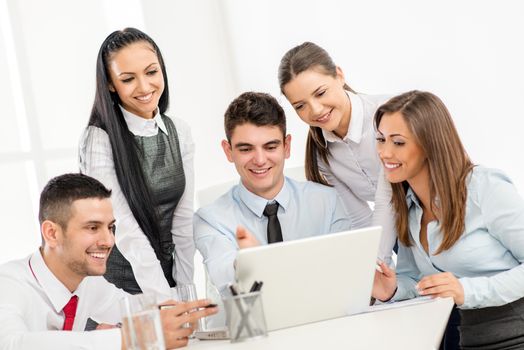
x=141 y=324
x=185 y=293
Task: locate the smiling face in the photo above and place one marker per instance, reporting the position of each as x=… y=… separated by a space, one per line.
x=320 y=100
x=259 y=153
x=83 y=247
x=136 y=76
x=401 y=155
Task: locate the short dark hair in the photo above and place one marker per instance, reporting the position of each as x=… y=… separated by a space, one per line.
x=60 y=193
x=257 y=108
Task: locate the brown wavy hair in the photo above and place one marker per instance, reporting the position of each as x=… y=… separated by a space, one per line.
x=297 y=60
x=449 y=165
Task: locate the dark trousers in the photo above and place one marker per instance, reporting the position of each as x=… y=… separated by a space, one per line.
x=451 y=338
x=490 y=328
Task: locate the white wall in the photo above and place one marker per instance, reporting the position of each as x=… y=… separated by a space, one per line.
x=468 y=52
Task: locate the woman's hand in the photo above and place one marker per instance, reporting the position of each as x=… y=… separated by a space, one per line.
x=442 y=285
x=384 y=283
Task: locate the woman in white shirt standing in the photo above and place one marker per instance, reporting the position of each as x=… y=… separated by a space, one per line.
x=460 y=226
x=340 y=148
x=146 y=158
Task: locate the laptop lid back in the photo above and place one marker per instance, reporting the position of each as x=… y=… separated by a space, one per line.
x=312 y=279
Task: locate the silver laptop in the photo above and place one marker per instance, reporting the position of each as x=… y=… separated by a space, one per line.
x=312 y=279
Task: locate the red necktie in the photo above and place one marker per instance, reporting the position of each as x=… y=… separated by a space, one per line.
x=70 y=312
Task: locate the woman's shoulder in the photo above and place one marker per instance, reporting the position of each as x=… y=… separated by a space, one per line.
x=484 y=175
x=93 y=135
x=483 y=181
x=180 y=124
x=183 y=132
x=182 y=128
x=375 y=100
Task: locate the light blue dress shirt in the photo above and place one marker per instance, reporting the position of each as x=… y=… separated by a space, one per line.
x=306 y=209
x=488 y=257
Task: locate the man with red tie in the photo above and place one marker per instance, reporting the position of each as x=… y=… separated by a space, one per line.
x=48 y=299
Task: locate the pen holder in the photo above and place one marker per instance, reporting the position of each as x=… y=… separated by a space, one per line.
x=245 y=316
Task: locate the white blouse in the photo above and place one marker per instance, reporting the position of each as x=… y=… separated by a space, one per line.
x=96 y=160
x=356 y=172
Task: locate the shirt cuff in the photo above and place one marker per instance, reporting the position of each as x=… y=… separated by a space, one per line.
x=471 y=294
x=405 y=290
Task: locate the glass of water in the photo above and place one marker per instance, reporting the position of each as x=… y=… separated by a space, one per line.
x=185 y=293
x=141 y=324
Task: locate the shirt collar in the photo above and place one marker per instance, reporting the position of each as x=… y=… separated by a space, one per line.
x=144 y=127
x=257 y=204
x=55 y=290
x=411 y=198
x=356 y=123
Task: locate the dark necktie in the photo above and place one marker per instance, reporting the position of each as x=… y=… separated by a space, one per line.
x=70 y=313
x=274 y=232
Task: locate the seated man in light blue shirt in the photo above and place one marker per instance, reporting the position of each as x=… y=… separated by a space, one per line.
x=257 y=144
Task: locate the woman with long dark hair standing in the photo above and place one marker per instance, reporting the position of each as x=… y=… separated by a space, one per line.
x=146 y=158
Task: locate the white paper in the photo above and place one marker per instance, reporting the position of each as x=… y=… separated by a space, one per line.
x=397 y=304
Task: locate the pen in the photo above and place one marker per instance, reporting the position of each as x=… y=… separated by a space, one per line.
x=254 y=287
x=233 y=290
x=168 y=306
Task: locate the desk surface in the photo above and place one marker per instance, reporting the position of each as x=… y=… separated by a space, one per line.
x=417 y=327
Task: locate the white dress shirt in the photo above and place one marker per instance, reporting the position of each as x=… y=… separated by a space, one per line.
x=356 y=172
x=31 y=303
x=96 y=160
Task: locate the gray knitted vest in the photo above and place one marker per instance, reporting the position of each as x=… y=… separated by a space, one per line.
x=162 y=166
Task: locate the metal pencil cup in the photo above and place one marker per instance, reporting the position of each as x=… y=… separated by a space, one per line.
x=245 y=316
x=141 y=324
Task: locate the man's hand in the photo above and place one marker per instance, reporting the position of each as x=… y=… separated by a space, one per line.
x=174 y=318
x=105 y=326
x=246 y=239
x=442 y=285
x=384 y=283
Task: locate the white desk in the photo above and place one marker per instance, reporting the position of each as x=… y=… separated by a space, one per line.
x=416 y=327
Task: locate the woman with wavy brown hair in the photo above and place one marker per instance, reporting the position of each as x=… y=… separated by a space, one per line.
x=460 y=226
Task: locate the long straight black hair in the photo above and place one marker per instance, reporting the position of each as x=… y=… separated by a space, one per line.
x=107 y=115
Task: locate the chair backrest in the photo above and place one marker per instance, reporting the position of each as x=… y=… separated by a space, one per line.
x=297 y=173
x=209 y=194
